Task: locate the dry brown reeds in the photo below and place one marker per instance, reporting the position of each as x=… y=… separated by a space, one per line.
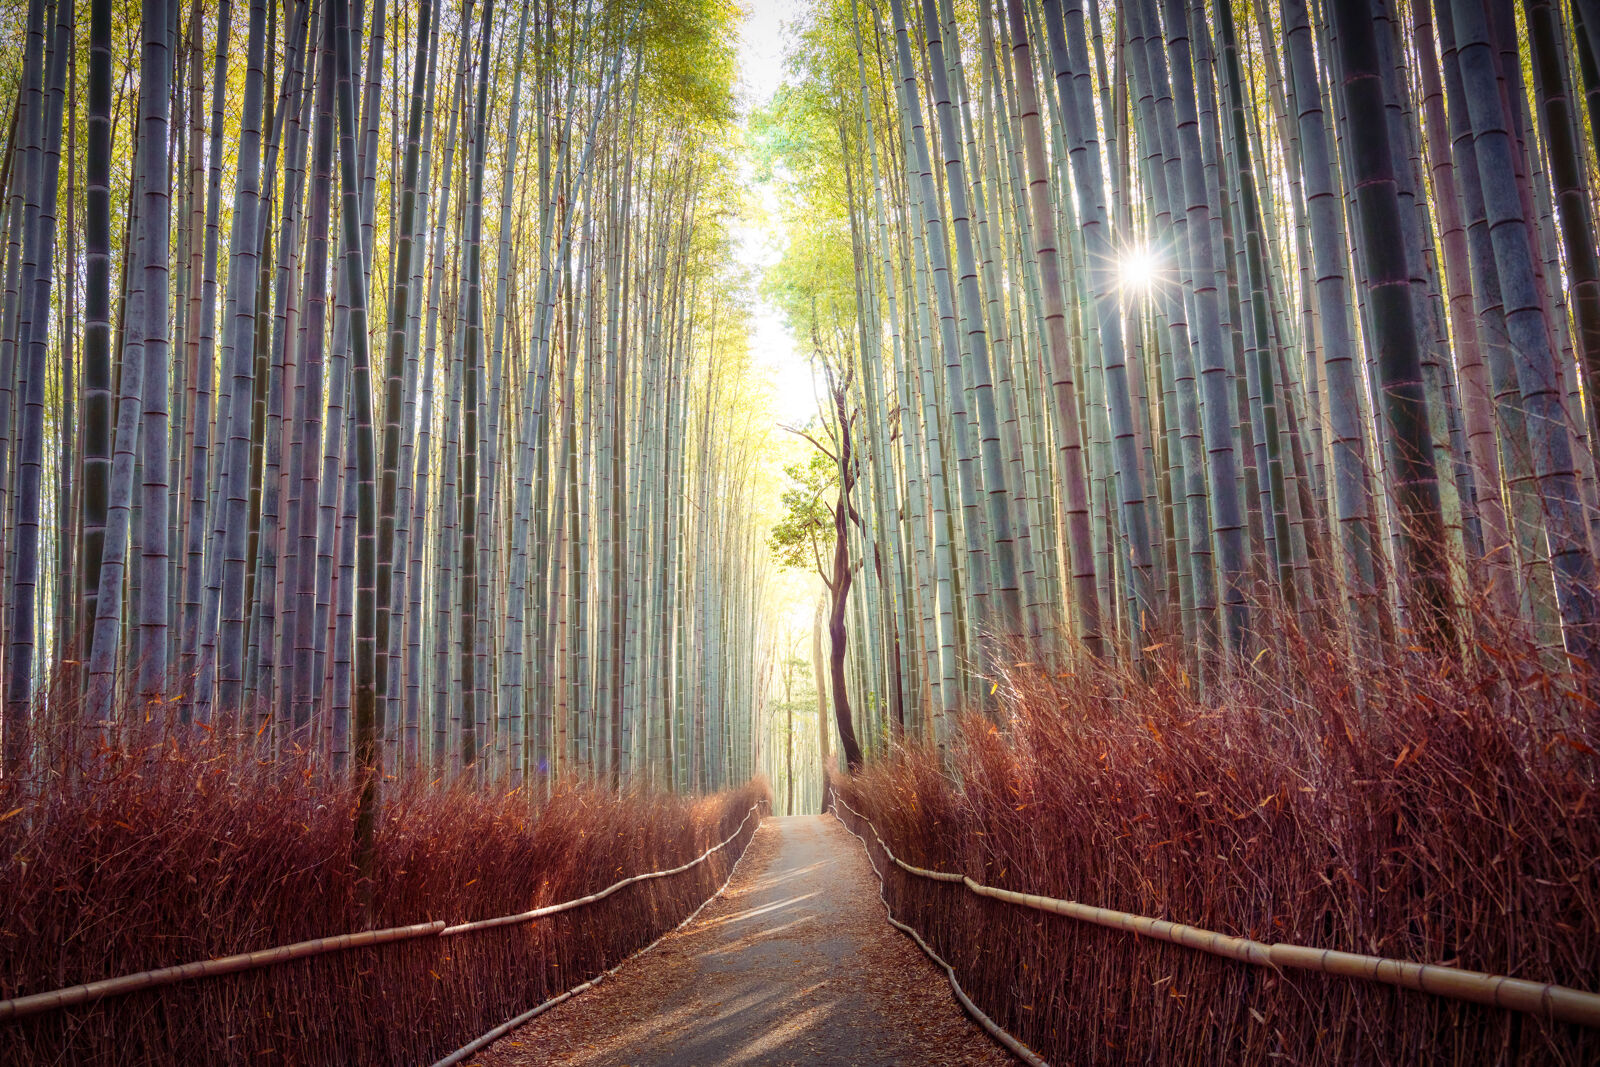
x=165 y=853
x=1453 y=819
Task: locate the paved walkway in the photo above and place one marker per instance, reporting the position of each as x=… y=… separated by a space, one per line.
x=794 y=964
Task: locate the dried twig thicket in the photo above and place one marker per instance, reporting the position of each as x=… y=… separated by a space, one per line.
x=166 y=853
x=1453 y=823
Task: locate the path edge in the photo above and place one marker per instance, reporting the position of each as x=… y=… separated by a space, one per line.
x=994 y=1029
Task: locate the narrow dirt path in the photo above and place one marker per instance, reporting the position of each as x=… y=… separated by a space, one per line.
x=794 y=964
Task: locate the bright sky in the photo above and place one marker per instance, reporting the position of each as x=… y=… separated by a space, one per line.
x=762 y=40
x=761 y=50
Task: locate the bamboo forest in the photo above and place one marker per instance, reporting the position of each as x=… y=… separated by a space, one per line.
x=488 y=487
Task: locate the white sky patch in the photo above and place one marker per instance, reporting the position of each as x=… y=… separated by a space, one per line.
x=759 y=237
x=761 y=40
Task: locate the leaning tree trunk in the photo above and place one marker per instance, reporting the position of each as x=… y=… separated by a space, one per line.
x=839 y=587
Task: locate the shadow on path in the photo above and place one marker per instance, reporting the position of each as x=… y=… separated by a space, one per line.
x=793 y=965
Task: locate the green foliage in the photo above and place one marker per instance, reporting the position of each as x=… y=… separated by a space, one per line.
x=687 y=53
x=798 y=538
x=798 y=143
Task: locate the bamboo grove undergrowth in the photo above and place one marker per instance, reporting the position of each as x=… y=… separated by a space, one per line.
x=1170 y=330
x=370 y=380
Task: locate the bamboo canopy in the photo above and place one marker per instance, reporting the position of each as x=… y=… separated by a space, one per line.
x=397 y=361
x=406 y=418
x=1178 y=330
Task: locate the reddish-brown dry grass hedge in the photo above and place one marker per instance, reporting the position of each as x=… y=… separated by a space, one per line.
x=1453 y=819
x=179 y=853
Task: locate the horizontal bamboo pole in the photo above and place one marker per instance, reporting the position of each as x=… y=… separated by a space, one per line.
x=552 y=909
x=1561 y=1003
x=33 y=1004
x=55 y=999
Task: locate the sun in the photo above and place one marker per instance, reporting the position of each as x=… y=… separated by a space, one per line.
x=1138 y=269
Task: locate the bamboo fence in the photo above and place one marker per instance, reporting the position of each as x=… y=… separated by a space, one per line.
x=511 y=1024
x=999 y=1033
x=70 y=996
x=1555 y=1002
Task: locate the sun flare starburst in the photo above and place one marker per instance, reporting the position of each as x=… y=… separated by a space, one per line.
x=1139 y=268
